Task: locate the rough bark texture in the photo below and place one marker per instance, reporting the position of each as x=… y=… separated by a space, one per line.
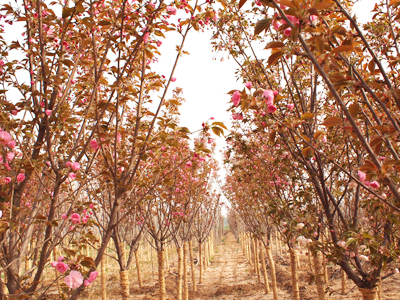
x=295 y=276
x=273 y=274
x=185 y=277
x=138 y=270
x=161 y=275
x=103 y=279
x=319 y=277
x=180 y=272
x=194 y=283
x=264 y=271
x=124 y=281
x=201 y=264
x=369 y=294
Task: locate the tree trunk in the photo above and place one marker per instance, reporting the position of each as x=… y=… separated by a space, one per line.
x=185 y=277
x=256 y=260
x=273 y=274
x=192 y=266
x=180 y=273
x=343 y=282
x=138 y=269
x=369 y=294
x=201 y=264
x=205 y=255
x=161 y=277
x=249 y=251
x=264 y=271
x=319 y=277
x=124 y=282
x=166 y=258
x=295 y=277
x=103 y=279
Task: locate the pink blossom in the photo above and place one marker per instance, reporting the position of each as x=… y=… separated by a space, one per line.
x=293 y=19
x=313 y=18
x=75 y=218
x=189 y=164
x=159 y=43
x=7 y=180
x=48 y=112
x=5 y=138
x=146 y=37
x=362 y=176
x=271 y=108
x=21 y=177
x=171 y=10
x=74 y=279
x=290 y=106
x=11 y=144
x=64 y=216
x=91 y=205
x=288 y=31
x=10 y=156
x=75 y=166
x=68 y=164
x=341 y=244
x=1 y=63
x=374 y=184
x=173 y=79
x=277 y=24
x=237 y=116
x=61 y=267
x=53 y=264
x=269 y=97
x=60 y=258
x=94 y=145
x=248 y=85
x=42 y=104
x=86 y=282
x=236 y=98
x=93 y=276
x=72 y=175
x=14 y=112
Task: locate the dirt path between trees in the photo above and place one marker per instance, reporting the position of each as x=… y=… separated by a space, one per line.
x=230 y=276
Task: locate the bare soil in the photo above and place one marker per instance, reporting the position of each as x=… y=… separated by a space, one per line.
x=230 y=276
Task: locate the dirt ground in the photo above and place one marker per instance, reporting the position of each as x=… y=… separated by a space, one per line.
x=230 y=276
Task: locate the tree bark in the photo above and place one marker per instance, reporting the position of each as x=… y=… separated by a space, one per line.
x=185 y=277
x=161 y=275
x=256 y=260
x=192 y=267
x=369 y=294
x=343 y=282
x=273 y=274
x=201 y=264
x=124 y=282
x=295 y=277
x=319 y=277
x=180 y=272
x=264 y=271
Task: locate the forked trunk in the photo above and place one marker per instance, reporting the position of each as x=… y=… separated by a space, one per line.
x=185 y=278
x=180 y=272
x=264 y=271
x=273 y=274
x=369 y=294
x=319 y=277
x=161 y=275
x=295 y=277
x=138 y=269
x=201 y=264
x=192 y=267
